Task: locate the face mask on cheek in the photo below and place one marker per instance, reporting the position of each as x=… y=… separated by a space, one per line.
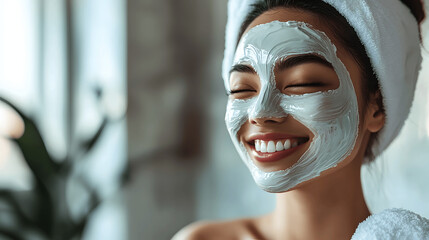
x=332 y=116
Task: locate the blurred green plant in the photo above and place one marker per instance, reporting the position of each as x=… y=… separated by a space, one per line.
x=43 y=212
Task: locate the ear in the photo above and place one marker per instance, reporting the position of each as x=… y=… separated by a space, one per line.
x=375 y=115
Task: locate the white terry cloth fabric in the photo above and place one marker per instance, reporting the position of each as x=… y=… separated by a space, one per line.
x=393 y=224
x=390 y=35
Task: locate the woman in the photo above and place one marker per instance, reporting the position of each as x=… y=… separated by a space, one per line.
x=316 y=88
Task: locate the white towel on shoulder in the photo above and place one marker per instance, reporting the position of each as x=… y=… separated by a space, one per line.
x=393 y=224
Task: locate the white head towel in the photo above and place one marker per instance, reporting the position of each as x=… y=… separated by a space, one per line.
x=390 y=35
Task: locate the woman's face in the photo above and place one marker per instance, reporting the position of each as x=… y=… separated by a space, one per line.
x=274 y=141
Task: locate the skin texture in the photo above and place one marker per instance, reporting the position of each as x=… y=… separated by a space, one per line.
x=327 y=207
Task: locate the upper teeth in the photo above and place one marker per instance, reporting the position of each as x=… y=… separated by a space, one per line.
x=274 y=146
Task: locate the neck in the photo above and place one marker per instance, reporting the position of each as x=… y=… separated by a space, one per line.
x=330 y=208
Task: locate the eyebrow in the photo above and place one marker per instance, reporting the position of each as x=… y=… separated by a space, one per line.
x=300 y=59
x=243 y=68
x=285 y=63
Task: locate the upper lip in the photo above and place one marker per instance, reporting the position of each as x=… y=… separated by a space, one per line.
x=270 y=136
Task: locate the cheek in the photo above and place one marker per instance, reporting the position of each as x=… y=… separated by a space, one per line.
x=236 y=115
x=244 y=129
x=359 y=148
x=359 y=91
x=357 y=80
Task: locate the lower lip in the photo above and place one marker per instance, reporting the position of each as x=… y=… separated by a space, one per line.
x=275 y=156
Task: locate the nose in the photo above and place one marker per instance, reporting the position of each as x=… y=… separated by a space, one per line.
x=267 y=108
x=266 y=120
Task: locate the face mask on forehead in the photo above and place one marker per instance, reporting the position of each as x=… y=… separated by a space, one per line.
x=332 y=116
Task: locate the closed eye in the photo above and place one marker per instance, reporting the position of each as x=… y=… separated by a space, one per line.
x=241 y=90
x=316 y=84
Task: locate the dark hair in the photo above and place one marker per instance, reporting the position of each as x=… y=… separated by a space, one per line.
x=347 y=37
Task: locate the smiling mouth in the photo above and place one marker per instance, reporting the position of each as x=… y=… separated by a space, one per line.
x=276 y=149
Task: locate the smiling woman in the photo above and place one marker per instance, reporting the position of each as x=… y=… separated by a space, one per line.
x=304 y=108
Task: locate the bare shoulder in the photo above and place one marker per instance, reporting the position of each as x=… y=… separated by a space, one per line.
x=232 y=229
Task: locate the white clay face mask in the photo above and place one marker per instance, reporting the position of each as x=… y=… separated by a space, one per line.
x=332 y=116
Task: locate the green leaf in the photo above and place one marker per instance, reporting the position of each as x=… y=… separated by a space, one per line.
x=11 y=234
x=88 y=144
x=34 y=150
x=10 y=199
x=39 y=161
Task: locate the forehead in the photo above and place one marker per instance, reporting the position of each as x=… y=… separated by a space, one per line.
x=267 y=43
x=317 y=22
x=284 y=14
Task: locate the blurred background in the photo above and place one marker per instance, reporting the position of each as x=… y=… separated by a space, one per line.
x=123 y=105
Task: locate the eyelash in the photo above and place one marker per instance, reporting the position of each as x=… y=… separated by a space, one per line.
x=316 y=84
x=240 y=90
